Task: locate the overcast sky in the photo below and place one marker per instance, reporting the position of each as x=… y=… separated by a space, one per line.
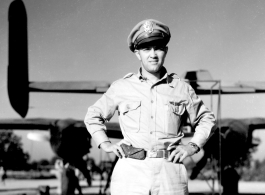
x=87 y=40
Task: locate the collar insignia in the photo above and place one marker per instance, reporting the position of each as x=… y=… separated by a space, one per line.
x=148 y=27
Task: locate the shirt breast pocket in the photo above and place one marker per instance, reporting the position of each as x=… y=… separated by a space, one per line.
x=174 y=117
x=130 y=114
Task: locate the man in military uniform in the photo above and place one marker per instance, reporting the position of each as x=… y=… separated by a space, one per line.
x=152 y=106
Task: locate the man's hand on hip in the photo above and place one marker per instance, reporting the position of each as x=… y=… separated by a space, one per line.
x=115 y=148
x=180 y=152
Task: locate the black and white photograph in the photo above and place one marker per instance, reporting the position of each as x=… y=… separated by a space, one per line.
x=132 y=97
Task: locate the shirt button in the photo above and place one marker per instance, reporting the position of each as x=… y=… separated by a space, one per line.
x=151 y=132
x=152 y=101
x=152 y=117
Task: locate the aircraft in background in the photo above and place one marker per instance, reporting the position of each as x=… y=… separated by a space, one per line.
x=201 y=80
x=20 y=86
x=70 y=140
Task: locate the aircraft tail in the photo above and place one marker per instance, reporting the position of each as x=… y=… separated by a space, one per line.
x=18 y=80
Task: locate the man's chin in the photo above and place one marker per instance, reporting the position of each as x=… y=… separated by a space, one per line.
x=156 y=69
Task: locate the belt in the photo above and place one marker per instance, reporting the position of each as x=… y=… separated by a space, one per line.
x=140 y=153
x=157 y=153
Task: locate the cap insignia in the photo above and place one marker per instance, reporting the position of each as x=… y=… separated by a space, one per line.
x=148 y=27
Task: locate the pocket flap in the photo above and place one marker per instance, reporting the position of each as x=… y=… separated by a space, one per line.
x=128 y=106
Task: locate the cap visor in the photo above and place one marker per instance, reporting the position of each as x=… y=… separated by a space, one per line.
x=152 y=41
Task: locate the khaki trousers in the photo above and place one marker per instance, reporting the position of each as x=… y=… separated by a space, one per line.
x=152 y=176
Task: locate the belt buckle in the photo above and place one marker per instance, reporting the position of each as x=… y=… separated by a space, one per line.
x=157 y=154
x=152 y=154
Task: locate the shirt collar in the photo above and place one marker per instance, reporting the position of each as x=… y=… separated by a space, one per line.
x=166 y=77
x=140 y=76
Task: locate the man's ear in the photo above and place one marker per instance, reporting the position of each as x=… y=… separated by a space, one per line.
x=136 y=52
x=166 y=49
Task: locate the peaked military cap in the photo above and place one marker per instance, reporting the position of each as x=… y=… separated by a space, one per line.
x=147 y=31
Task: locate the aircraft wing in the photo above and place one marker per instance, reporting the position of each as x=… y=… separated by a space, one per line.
x=26 y=124
x=234 y=88
x=204 y=84
x=70 y=86
x=241 y=87
x=253 y=123
x=44 y=124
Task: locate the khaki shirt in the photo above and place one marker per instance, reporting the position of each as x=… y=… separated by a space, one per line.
x=150 y=114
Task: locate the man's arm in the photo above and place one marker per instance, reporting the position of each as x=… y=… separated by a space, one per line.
x=202 y=120
x=99 y=113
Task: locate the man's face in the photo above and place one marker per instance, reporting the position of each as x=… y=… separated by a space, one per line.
x=152 y=58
